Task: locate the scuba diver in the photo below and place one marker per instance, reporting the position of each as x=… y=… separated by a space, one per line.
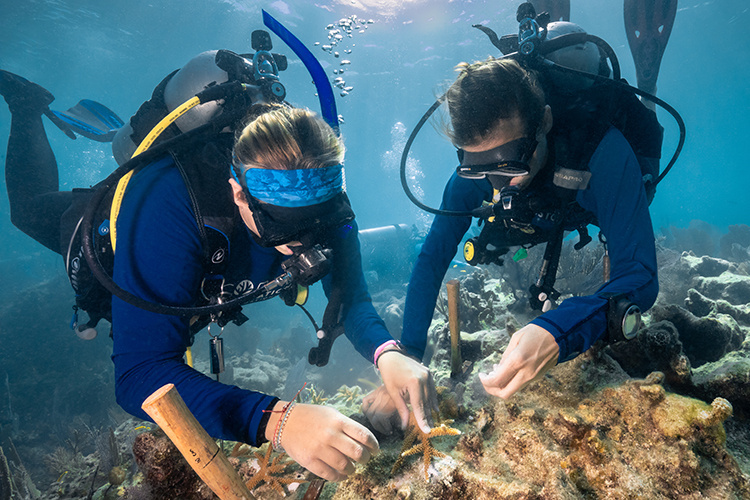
x=226 y=195
x=549 y=139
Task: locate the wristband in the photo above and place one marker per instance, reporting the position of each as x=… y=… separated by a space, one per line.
x=384 y=348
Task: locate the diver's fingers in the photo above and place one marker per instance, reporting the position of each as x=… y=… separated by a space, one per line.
x=403 y=410
x=418 y=405
x=496 y=381
x=362 y=443
x=432 y=396
x=331 y=466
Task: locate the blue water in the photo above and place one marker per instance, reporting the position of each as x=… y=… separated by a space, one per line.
x=116 y=52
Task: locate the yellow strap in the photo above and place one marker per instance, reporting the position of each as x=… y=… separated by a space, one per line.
x=122 y=184
x=114 y=209
x=166 y=122
x=189 y=356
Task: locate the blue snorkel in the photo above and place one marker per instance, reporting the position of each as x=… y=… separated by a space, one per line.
x=322 y=84
x=331 y=327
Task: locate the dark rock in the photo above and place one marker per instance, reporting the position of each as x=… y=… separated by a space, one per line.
x=704 y=339
x=657 y=348
x=701 y=306
x=709 y=266
x=728 y=378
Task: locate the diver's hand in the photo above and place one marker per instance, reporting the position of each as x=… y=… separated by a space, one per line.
x=532 y=351
x=379 y=408
x=409 y=381
x=322 y=440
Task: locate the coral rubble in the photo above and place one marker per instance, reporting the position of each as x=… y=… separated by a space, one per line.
x=165 y=470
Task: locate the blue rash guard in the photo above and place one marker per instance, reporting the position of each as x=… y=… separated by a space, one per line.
x=159 y=258
x=615 y=196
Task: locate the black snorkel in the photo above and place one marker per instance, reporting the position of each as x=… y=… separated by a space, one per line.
x=531 y=47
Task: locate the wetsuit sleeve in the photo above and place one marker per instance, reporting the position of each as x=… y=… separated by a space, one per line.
x=617 y=197
x=159 y=259
x=436 y=254
x=362 y=325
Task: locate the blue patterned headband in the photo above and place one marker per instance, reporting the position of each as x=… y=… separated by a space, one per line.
x=294 y=188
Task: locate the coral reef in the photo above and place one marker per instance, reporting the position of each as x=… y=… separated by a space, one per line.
x=587 y=430
x=260 y=372
x=347 y=400
x=558 y=439
x=703 y=347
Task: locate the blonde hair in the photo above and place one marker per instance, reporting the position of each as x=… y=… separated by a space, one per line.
x=280 y=137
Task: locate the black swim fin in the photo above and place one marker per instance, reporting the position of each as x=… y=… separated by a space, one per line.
x=90 y=119
x=648 y=24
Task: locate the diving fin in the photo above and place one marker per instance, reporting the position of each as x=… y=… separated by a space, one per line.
x=559 y=10
x=90 y=119
x=648 y=24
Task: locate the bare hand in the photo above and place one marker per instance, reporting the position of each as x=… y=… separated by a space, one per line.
x=532 y=351
x=380 y=409
x=408 y=381
x=324 y=441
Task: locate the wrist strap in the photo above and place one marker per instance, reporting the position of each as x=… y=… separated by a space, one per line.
x=384 y=348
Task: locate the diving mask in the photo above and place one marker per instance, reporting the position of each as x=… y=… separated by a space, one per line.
x=508 y=160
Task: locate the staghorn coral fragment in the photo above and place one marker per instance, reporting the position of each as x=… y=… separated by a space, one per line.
x=424 y=447
x=271 y=472
x=348 y=394
x=315 y=397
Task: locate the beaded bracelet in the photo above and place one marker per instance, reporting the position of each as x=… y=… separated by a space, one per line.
x=280 y=427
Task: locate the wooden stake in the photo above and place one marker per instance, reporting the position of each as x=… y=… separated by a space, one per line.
x=454 y=324
x=169 y=411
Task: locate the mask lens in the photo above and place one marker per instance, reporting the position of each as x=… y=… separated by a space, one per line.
x=510 y=159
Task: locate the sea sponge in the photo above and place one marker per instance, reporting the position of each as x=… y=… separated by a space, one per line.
x=720 y=410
